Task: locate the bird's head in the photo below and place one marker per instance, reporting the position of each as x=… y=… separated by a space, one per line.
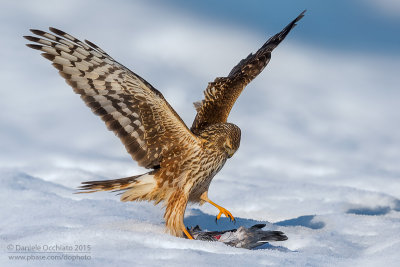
x=224 y=136
x=232 y=139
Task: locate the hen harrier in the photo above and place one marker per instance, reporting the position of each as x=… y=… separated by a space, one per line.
x=182 y=161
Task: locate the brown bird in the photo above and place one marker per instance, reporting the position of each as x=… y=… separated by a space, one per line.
x=182 y=162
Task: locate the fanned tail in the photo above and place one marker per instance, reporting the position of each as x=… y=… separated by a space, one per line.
x=107 y=185
x=133 y=188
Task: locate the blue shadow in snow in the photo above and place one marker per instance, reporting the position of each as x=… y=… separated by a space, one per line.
x=396 y=205
x=376 y=211
x=207 y=222
x=305 y=221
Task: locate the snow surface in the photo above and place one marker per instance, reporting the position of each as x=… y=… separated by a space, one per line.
x=319 y=157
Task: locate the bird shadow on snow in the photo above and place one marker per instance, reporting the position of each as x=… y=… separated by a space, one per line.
x=208 y=222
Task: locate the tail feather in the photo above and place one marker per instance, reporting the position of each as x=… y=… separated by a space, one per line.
x=139 y=187
x=108 y=185
x=141 y=190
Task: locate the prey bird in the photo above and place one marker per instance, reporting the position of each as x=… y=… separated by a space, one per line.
x=181 y=161
x=241 y=237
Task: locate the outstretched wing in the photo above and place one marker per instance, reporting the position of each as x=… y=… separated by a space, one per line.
x=221 y=94
x=133 y=109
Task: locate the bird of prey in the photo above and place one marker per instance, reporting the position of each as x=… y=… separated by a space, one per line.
x=181 y=161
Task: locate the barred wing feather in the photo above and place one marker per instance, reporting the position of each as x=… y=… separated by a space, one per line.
x=133 y=109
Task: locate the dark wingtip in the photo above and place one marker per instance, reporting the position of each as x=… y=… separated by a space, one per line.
x=31 y=38
x=258 y=226
x=275 y=40
x=34 y=46
x=58 y=66
x=57 y=31
x=91 y=44
x=48 y=56
x=280 y=236
x=37 y=32
x=299 y=17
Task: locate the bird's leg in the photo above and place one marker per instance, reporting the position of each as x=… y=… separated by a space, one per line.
x=188 y=235
x=174 y=213
x=222 y=210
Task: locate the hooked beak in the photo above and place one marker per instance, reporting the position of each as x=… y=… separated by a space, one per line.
x=230 y=153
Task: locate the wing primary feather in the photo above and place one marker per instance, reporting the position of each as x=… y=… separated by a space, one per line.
x=130 y=107
x=220 y=95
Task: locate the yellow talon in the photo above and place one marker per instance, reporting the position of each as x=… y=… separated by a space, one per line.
x=221 y=209
x=225 y=212
x=188 y=235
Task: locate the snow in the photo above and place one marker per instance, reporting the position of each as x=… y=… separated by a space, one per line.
x=319 y=156
x=42 y=212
